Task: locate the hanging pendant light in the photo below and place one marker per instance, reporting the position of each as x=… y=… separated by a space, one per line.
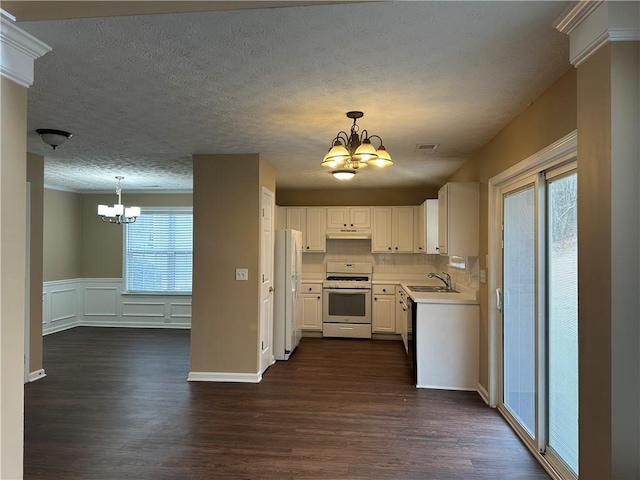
x=118 y=213
x=349 y=153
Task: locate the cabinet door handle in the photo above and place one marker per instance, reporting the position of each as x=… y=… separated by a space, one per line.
x=310 y=288
x=318 y=297
x=499 y=299
x=307 y=247
x=396 y=248
x=375 y=298
x=389 y=248
x=384 y=289
x=419 y=248
x=352 y=224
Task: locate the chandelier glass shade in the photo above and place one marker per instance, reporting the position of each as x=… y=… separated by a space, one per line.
x=118 y=213
x=353 y=151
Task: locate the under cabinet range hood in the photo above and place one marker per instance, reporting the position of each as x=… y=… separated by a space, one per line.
x=349 y=233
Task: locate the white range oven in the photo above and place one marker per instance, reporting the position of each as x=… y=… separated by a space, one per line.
x=346 y=293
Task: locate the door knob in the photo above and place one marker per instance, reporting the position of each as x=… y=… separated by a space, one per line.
x=271 y=289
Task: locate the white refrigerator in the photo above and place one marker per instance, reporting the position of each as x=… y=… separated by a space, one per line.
x=287 y=276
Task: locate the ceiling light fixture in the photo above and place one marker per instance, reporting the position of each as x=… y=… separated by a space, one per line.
x=118 y=214
x=344 y=174
x=54 y=138
x=351 y=153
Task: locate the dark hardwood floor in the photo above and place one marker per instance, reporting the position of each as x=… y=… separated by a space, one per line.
x=116 y=405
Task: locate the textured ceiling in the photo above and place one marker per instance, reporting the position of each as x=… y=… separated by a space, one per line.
x=142 y=93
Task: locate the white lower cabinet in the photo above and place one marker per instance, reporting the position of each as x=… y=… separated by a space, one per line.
x=310 y=302
x=447 y=346
x=401 y=312
x=383 y=312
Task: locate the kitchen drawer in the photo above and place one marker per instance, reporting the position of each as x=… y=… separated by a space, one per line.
x=311 y=288
x=384 y=289
x=352 y=330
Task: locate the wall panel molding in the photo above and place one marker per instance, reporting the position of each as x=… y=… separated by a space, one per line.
x=100 y=302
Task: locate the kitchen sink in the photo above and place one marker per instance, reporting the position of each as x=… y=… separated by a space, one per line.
x=430 y=289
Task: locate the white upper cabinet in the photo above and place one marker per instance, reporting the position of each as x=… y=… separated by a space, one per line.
x=431 y=223
x=381 y=238
x=281 y=217
x=316 y=230
x=458 y=219
x=297 y=220
x=392 y=230
x=311 y=221
x=348 y=217
x=420 y=228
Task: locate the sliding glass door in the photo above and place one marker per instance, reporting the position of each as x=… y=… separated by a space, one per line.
x=562 y=317
x=519 y=318
x=539 y=314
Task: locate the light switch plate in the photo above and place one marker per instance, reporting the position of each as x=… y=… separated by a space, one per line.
x=242 y=274
x=483 y=276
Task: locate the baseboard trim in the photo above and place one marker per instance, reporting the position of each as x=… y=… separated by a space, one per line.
x=224 y=377
x=312 y=334
x=184 y=326
x=61 y=328
x=440 y=387
x=37 y=375
x=483 y=393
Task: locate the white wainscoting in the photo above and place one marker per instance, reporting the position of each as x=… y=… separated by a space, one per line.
x=100 y=302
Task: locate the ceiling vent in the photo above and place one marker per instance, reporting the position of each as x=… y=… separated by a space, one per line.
x=427 y=147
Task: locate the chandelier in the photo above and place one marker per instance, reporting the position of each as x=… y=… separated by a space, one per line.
x=118 y=213
x=350 y=153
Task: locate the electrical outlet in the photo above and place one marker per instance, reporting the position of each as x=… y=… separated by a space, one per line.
x=483 y=276
x=242 y=274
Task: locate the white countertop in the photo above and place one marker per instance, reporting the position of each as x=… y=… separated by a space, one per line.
x=464 y=295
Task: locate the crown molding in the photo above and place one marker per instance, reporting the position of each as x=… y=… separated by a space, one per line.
x=18 y=51
x=592 y=24
x=574 y=14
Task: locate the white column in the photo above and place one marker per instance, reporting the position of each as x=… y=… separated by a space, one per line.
x=18 y=50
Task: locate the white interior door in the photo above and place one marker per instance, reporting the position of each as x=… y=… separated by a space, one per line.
x=266 y=276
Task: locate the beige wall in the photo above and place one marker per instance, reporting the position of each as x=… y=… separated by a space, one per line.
x=354 y=196
x=625 y=257
x=225 y=313
x=594 y=272
x=102 y=243
x=62 y=235
x=77 y=244
x=13 y=206
x=549 y=118
x=35 y=176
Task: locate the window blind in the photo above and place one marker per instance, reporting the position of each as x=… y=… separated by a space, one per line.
x=159 y=251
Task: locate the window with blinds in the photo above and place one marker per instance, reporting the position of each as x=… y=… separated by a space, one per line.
x=159 y=251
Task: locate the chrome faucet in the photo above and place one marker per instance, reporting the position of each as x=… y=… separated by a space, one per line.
x=446 y=281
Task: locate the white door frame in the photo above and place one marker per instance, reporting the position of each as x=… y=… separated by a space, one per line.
x=265 y=345
x=27 y=293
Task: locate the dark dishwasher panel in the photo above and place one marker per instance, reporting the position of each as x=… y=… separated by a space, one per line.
x=412 y=312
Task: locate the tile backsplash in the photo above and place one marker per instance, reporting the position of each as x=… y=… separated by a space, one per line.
x=360 y=251
x=469 y=276
x=389 y=263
